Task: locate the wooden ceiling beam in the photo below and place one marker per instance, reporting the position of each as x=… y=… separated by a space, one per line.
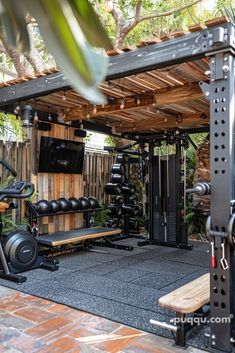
x=161 y=123
x=160 y=97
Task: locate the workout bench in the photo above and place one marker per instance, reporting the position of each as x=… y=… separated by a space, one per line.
x=84 y=234
x=187 y=299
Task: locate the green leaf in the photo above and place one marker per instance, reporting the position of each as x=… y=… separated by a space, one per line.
x=90 y=24
x=14 y=23
x=83 y=68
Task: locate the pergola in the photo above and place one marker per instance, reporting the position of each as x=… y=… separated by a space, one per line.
x=182 y=81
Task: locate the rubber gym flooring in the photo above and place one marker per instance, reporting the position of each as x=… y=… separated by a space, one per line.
x=123 y=286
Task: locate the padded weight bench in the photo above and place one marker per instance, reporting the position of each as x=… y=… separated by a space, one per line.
x=83 y=234
x=187 y=299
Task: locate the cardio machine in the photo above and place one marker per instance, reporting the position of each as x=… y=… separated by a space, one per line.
x=19 y=248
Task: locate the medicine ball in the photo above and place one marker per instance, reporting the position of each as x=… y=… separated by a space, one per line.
x=113 y=189
x=65 y=204
x=55 y=206
x=85 y=203
x=94 y=202
x=43 y=207
x=75 y=204
x=20 y=249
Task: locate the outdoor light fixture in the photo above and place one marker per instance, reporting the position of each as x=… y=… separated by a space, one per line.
x=27 y=118
x=64 y=97
x=137 y=99
x=122 y=105
x=94 y=110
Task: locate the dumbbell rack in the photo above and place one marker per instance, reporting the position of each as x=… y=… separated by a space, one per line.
x=34 y=215
x=126 y=217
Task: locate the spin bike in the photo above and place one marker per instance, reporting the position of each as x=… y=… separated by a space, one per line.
x=19 y=248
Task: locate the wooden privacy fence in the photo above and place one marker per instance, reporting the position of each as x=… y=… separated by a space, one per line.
x=96 y=172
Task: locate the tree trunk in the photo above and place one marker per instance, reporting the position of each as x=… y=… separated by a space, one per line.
x=34 y=56
x=22 y=66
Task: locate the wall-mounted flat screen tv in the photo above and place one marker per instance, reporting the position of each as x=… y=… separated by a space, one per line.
x=60 y=156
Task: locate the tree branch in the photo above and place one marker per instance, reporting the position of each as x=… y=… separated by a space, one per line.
x=22 y=66
x=168 y=13
x=138 y=9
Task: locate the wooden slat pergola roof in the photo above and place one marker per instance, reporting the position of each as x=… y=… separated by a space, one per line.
x=151 y=101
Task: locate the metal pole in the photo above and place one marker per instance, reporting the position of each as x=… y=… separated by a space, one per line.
x=222 y=162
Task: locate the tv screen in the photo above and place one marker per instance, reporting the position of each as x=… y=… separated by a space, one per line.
x=61 y=156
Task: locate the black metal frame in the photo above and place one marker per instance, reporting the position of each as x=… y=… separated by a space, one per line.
x=181 y=239
x=218 y=42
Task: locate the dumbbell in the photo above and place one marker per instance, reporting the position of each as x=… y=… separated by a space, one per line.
x=133 y=200
x=65 y=204
x=134 y=224
x=200 y=188
x=113 y=189
x=128 y=189
x=130 y=210
x=118 y=178
x=122 y=158
x=115 y=209
x=85 y=203
x=94 y=202
x=43 y=207
x=75 y=204
x=118 y=168
x=55 y=206
x=119 y=200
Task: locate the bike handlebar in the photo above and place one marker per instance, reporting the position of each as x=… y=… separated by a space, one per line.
x=8 y=167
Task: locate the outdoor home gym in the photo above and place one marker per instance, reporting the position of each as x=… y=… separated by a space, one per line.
x=148 y=275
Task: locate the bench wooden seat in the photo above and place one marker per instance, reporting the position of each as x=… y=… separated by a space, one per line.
x=62 y=238
x=188 y=298
x=185 y=300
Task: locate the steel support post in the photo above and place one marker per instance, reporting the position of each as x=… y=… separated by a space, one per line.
x=222 y=169
x=150 y=192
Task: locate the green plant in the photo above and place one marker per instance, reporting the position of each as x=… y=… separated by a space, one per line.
x=101 y=217
x=69 y=29
x=9 y=224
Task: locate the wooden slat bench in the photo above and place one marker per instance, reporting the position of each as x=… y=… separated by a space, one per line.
x=187 y=299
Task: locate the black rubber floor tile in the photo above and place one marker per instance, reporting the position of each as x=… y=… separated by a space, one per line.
x=156 y=281
x=162 y=266
x=128 y=275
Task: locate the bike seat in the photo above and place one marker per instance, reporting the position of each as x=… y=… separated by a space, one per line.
x=3 y=206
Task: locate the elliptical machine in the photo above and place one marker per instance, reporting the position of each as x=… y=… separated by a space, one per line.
x=19 y=248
